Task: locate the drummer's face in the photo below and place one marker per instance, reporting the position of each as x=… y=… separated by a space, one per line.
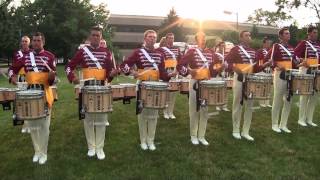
x=150 y=39
x=246 y=37
x=95 y=38
x=201 y=41
x=170 y=40
x=37 y=43
x=285 y=36
x=25 y=42
x=314 y=35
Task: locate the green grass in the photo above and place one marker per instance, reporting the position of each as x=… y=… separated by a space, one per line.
x=270 y=156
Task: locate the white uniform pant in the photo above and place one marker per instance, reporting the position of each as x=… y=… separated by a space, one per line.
x=171 y=101
x=279 y=98
x=307 y=104
x=95 y=129
x=198 y=120
x=39 y=131
x=237 y=108
x=147 y=120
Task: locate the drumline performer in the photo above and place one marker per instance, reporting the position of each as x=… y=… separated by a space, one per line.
x=18 y=55
x=172 y=56
x=150 y=64
x=96 y=63
x=40 y=74
x=198 y=63
x=242 y=58
x=219 y=67
x=309 y=50
x=283 y=60
x=261 y=53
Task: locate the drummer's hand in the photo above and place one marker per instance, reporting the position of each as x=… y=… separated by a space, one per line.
x=173 y=74
x=280 y=68
x=14 y=80
x=75 y=81
x=135 y=74
x=237 y=70
x=114 y=72
x=305 y=64
x=266 y=64
x=193 y=72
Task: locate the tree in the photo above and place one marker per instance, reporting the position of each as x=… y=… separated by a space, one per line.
x=232 y=36
x=65 y=23
x=173 y=23
x=269 y=18
x=254 y=31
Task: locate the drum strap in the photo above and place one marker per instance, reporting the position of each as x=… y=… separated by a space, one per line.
x=247 y=54
x=33 y=62
x=196 y=87
x=94 y=59
x=289 y=87
x=82 y=115
x=286 y=50
x=204 y=59
x=170 y=52
x=313 y=48
x=20 y=53
x=144 y=52
x=244 y=87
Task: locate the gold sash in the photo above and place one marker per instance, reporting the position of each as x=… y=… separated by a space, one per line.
x=287 y=64
x=148 y=75
x=22 y=71
x=245 y=68
x=98 y=74
x=41 y=78
x=201 y=74
x=312 y=61
x=170 y=63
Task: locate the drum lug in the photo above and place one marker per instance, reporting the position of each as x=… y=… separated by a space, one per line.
x=14 y=117
x=203 y=103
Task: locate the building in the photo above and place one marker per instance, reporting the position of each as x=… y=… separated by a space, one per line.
x=128 y=29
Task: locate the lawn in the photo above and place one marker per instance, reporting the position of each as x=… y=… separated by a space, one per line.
x=270 y=156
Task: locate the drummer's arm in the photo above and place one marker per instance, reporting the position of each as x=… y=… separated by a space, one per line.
x=125 y=66
x=164 y=75
x=14 y=70
x=109 y=67
x=230 y=59
x=52 y=72
x=70 y=67
x=183 y=63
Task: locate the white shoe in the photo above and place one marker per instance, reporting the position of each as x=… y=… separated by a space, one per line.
x=144 y=146
x=194 y=140
x=100 y=154
x=225 y=109
x=312 y=124
x=301 y=123
x=247 y=137
x=236 y=135
x=107 y=123
x=151 y=146
x=172 y=116
x=91 y=152
x=36 y=157
x=285 y=129
x=218 y=108
x=276 y=129
x=166 y=116
x=24 y=130
x=270 y=106
x=203 y=141
x=43 y=159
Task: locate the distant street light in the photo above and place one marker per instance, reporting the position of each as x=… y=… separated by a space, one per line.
x=237 y=16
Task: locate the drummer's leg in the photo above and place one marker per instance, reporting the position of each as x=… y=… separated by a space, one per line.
x=247 y=119
x=302 y=110
x=100 y=134
x=44 y=132
x=89 y=132
x=193 y=114
x=277 y=101
x=172 y=100
x=34 y=133
x=285 y=112
x=310 y=110
x=152 y=124
x=142 y=121
x=236 y=106
x=203 y=125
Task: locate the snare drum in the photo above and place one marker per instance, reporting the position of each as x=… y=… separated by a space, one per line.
x=214 y=92
x=129 y=90
x=317 y=81
x=77 y=90
x=117 y=92
x=96 y=99
x=154 y=94
x=54 y=92
x=10 y=94
x=174 y=85
x=184 y=86
x=258 y=86
x=30 y=105
x=302 y=84
x=2 y=94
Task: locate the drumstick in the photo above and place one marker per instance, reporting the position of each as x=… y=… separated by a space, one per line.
x=114 y=62
x=45 y=64
x=315 y=65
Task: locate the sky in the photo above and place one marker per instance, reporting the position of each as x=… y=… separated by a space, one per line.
x=200 y=9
